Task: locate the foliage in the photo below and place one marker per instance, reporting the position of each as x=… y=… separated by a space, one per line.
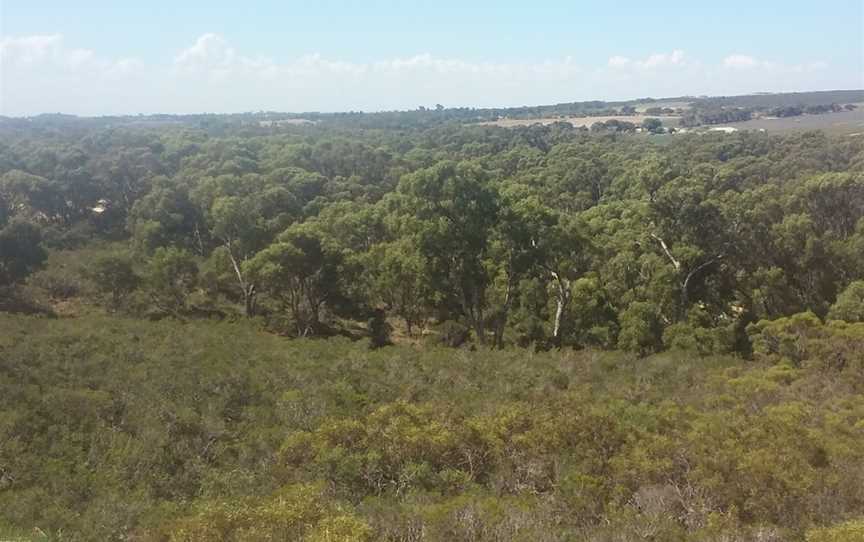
x=114 y=275
x=117 y=428
x=540 y=235
x=850 y=304
x=849 y=531
x=169 y=278
x=687 y=311
x=294 y=513
x=21 y=252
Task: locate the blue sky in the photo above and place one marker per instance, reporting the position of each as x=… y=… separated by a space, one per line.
x=100 y=57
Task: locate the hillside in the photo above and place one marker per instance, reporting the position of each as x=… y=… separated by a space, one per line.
x=114 y=428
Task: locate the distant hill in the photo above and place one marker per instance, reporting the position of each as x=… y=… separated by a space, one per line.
x=770 y=100
x=424 y=117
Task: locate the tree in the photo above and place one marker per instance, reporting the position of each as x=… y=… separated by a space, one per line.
x=166 y=216
x=37 y=198
x=397 y=277
x=21 y=251
x=302 y=274
x=533 y=241
x=379 y=329
x=234 y=223
x=171 y=275
x=113 y=274
x=654 y=126
x=513 y=252
x=457 y=210
x=641 y=329
x=850 y=304
x=691 y=233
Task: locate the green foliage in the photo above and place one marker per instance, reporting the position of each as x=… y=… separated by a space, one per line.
x=294 y=513
x=850 y=531
x=699 y=334
x=397 y=272
x=21 y=252
x=640 y=329
x=169 y=278
x=652 y=125
x=802 y=340
x=124 y=428
x=850 y=304
x=114 y=275
x=541 y=235
x=379 y=329
x=303 y=273
x=548 y=237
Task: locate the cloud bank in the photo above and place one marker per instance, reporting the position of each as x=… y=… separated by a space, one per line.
x=43 y=73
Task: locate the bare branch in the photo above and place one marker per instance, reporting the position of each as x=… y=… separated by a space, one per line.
x=665 y=248
x=693 y=273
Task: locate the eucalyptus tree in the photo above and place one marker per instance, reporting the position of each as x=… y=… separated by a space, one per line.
x=21 y=251
x=302 y=273
x=457 y=209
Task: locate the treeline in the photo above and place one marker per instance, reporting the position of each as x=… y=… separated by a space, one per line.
x=544 y=236
x=795 y=111
x=698 y=116
x=711 y=114
x=425 y=117
x=771 y=100
x=272 y=121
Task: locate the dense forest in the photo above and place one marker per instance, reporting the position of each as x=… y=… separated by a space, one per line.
x=429 y=331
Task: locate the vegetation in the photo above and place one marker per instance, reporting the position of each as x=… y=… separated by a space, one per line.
x=406 y=330
x=116 y=428
x=428 y=117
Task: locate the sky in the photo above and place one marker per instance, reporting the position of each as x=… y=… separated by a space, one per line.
x=111 y=57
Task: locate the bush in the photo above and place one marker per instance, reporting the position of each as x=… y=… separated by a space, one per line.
x=699 y=334
x=452 y=334
x=850 y=304
x=851 y=531
x=785 y=337
x=114 y=275
x=641 y=330
x=56 y=283
x=379 y=329
x=295 y=513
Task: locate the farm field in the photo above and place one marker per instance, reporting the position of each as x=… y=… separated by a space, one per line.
x=579 y=122
x=846 y=122
x=673 y=104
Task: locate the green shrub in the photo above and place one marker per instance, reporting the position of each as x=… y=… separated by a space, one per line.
x=850 y=304
x=850 y=531
x=641 y=330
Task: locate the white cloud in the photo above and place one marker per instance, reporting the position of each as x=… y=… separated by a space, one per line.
x=50 y=51
x=676 y=58
x=209 y=51
x=211 y=54
x=211 y=75
x=748 y=62
x=659 y=60
x=740 y=62
x=619 y=61
x=29 y=50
